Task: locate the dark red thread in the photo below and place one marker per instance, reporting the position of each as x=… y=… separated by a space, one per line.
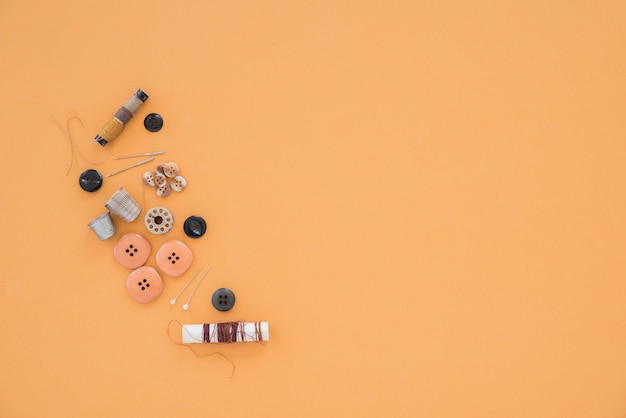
x=232 y=373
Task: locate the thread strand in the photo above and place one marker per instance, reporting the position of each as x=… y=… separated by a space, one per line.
x=195 y=353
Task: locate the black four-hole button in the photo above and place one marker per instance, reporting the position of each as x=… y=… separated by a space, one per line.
x=223 y=299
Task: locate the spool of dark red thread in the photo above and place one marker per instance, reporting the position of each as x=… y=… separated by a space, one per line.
x=226 y=332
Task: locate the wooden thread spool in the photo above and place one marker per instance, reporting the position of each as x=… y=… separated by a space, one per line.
x=115 y=126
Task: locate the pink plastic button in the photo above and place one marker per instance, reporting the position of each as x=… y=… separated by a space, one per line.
x=174 y=258
x=144 y=284
x=132 y=250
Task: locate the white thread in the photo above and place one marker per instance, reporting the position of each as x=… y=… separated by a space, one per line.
x=74 y=145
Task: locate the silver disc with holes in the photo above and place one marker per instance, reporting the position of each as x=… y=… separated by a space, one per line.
x=159 y=220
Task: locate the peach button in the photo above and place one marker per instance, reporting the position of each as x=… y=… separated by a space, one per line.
x=144 y=284
x=132 y=250
x=174 y=258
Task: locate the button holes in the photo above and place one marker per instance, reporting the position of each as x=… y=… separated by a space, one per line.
x=143 y=288
x=173 y=261
x=160 y=210
x=132 y=254
x=168 y=219
x=131 y=245
x=178 y=258
x=144 y=280
x=139 y=283
x=147 y=284
x=135 y=250
x=173 y=253
x=127 y=250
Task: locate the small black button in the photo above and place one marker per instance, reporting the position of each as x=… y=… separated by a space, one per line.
x=153 y=122
x=194 y=227
x=223 y=299
x=90 y=180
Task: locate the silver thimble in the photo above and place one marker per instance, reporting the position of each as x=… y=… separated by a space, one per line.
x=123 y=205
x=103 y=226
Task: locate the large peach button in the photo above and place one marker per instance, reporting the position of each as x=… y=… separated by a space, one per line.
x=132 y=250
x=144 y=284
x=174 y=258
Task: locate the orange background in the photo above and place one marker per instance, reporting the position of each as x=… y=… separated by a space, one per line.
x=426 y=200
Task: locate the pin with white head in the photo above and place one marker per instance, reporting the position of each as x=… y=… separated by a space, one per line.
x=173 y=301
x=193 y=292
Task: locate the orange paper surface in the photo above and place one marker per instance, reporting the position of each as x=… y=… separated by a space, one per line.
x=425 y=199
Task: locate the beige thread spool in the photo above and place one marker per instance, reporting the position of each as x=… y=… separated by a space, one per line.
x=115 y=126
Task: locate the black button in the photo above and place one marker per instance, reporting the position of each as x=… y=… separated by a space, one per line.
x=194 y=227
x=223 y=299
x=153 y=122
x=90 y=180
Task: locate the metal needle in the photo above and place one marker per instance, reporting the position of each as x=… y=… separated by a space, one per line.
x=147 y=160
x=145 y=154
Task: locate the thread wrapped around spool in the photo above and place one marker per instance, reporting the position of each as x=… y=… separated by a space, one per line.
x=225 y=332
x=114 y=127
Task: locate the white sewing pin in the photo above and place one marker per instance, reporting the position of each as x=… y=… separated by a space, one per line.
x=193 y=292
x=173 y=301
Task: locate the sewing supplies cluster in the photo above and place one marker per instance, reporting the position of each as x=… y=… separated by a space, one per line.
x=173 y=258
